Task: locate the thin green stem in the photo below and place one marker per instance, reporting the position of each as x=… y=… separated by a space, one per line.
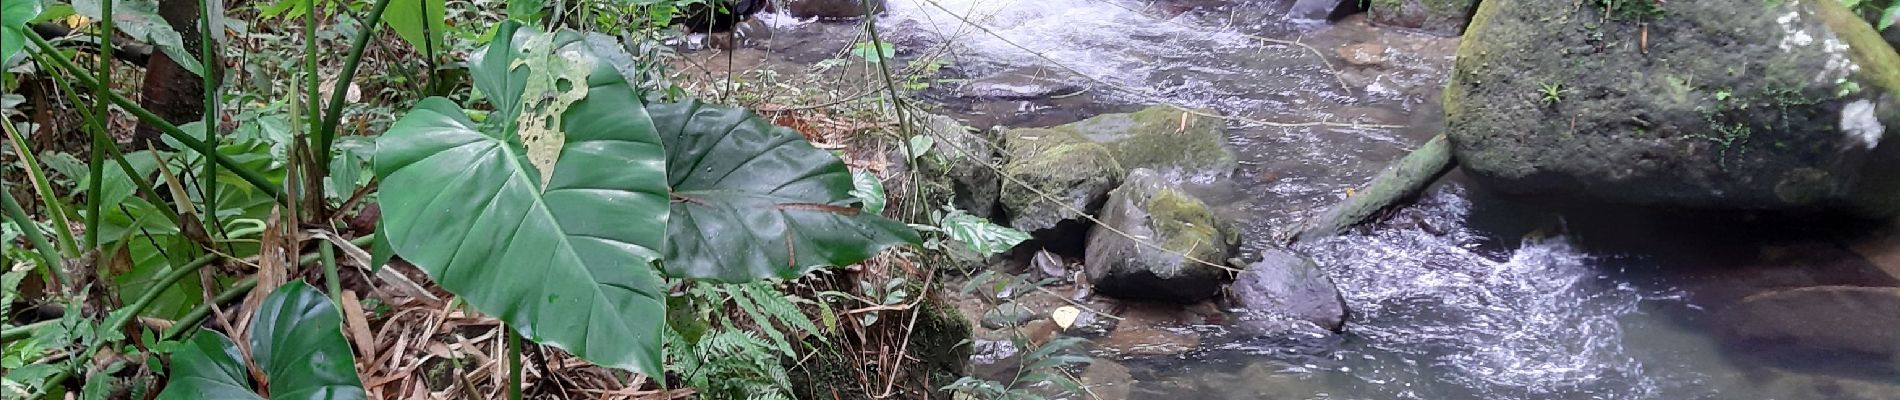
x=96 y=168
x=514 y=363
x=23 y=331
x=897 y=103
x=256 y=179
x=330 y=280
x=145 y=187
x=126 y=315
x=338 y=94
x=207 y=37
x=190 y=321
x=49 y=257
x=54 y=208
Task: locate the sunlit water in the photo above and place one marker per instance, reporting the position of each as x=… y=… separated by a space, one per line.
x=1441 y=309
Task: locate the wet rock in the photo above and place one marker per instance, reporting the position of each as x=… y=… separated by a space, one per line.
x=1438 y=17
x=1162 y=138
x=1018 y=84
x=1787 y=111
x=959 y=166
x=1149 y=331
x=1779 y=384
x=1075 y=172
x=1287 y=286
x=1107 y=380
x=1008 y=315
x=1826 y=318
x=830 y=9
x=1190 y=238
x=1364 y=54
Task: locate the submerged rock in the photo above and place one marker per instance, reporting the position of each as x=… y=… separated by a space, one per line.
x=1827 y=318
x=1190 y=238
x=1008 y=315
x=1711 y=104
x=1074 y=172
x=830 y=9
x=1162 y=138
x=1438 y=17
x=1285 y=286
x=959 y=166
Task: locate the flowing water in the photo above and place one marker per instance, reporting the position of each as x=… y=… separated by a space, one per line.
x=1458 y=296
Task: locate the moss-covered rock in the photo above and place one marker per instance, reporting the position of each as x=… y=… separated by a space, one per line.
x=1163 y=138
x=1438 y=17
x=1191 y=241
x=1751 y=105
x=959 y=168
x=1075 y=173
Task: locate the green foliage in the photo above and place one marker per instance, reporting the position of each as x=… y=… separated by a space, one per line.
x=1042 y=373
x=13 y=17
x=874 y=52
x=1552 y=93
x=719 y=353
x=139 y=19
x=867 y=188
x=976 y=233
x=297 y=340
x=419 y=22
x=731 y=364
x=573 y=175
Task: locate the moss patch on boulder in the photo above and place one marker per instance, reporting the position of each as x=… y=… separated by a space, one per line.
x=1073 y=171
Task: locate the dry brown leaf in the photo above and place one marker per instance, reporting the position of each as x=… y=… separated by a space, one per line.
x=358 y=326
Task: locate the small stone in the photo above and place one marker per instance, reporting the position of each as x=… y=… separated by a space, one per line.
x=1107 y=380
x=1007 y=315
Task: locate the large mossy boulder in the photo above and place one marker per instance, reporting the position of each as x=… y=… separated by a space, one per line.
x=1074 y=174
x=1731 y=104
x=959 y=167
x=1438 y=17
x=1185 y=243
x=1163 y=138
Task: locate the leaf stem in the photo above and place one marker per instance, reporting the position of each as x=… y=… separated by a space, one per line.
x=112 y=148
x=327 y=132
x=35 y=173
x=100 y=121
x=330 y=280
x=206 y=37
x=256 y=179
x=49 y=256
x=514 y=363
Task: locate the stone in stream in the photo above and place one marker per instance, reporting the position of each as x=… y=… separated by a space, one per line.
x=1185 y=243
x=1017 y=84
x=1827 y=318
x=1163 y=138
x=1284 y=286
x=1438 y=17
x=1008 y=315
x=959 y=165
x=1107 y=379
x=1727 y=105
x=829 y=9
x=1074 y=172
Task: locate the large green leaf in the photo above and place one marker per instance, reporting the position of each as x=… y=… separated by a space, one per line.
x=755 y=200
x=140 y=20
x=13 y=17
x=420 y=22
x=565 y=262
x=297 y=337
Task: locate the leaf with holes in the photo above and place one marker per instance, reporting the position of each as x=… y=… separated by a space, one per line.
x=566 y=263
x=297 y=340
x=753 y=200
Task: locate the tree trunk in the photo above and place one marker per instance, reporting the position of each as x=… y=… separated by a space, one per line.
x=171 y=91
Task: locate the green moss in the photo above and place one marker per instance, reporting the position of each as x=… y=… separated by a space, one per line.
x=1184 y=223
x=1160 y=137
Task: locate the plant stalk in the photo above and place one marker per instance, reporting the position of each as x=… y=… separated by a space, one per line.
x=338 y=94
x=514 y=363
x=206 y=37
x=330 y=280
x=255 y=179
x=144 y=187
x=100 y=120
x=126 y=315
x=54 y=209
x=48 y=255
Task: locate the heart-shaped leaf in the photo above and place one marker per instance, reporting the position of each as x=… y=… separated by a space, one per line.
x=297 y=338
x=13 y=17
x=567 y=262
x=753 y=200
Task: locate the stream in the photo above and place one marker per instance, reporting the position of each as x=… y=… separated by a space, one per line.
x=1459 y=295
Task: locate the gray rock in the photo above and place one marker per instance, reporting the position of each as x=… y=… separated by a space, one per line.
x=1075 y=173
x=1827 y=318
x=830 y=9
x=960 y=166
x=1438 y=17
x=1008 y=315
x=1188 y=235
x=1286 y=286
x=1017 y=84
x=1774 y=106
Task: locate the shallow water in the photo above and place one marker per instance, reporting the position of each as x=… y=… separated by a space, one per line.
x=1459 y=296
